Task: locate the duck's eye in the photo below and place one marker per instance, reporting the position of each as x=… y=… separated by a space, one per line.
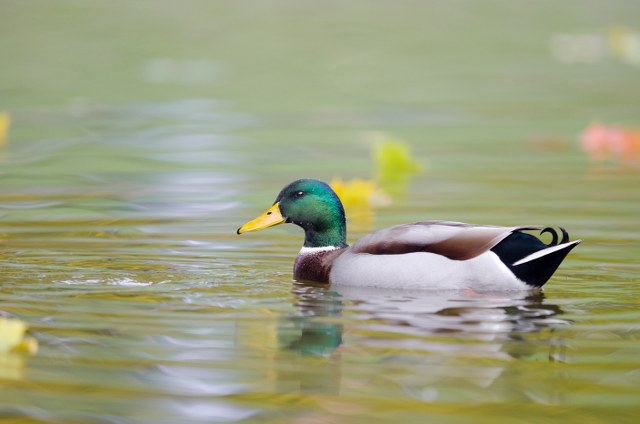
x=299 y=194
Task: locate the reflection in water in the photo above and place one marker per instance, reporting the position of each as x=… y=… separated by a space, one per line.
x=335 y=323
x=467 y=314
x=307 y=333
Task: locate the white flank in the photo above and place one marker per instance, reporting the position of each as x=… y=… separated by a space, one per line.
x=544 y=252
x=309 y=250
x=422 y=270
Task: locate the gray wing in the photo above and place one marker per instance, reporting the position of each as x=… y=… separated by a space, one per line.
x=454 y=240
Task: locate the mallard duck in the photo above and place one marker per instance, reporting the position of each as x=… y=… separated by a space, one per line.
x=424 y=255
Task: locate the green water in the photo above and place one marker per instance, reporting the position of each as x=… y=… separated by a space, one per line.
x=144 y=133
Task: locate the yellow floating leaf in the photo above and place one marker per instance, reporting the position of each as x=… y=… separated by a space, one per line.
x=357 y=192
x=12 y=337
x=394 y=163
x=27 y=345
x=358 y=197
x=5 y=123
x=393 y=157
x=11 y=333
x=623 y=43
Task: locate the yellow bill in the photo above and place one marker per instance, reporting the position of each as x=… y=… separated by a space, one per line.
x=268 y=219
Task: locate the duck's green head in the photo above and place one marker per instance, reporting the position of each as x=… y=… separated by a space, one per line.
x=310 y=204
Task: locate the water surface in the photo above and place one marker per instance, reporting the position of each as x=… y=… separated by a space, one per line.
x=143 y=136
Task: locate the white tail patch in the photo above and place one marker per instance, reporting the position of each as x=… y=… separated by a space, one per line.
x=544 y=252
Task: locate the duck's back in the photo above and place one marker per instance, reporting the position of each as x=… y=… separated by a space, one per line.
x=449 y=255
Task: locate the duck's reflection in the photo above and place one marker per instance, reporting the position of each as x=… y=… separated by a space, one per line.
x=438 y=346
x=491 y=324
x=312 y=332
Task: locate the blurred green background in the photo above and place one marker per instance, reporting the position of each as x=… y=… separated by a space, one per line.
x=274 y=57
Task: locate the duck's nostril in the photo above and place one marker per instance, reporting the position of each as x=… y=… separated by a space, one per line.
x=269 y=213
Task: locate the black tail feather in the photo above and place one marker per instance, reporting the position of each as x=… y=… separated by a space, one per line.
x=535 y=272
x=553 y=233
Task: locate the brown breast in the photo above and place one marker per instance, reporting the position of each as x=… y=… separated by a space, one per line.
x=315 y=266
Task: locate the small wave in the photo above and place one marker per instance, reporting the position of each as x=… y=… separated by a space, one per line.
x=126 y=281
